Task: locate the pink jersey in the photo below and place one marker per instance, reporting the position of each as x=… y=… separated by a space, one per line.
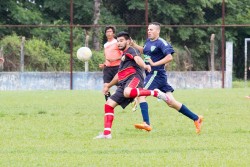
x=112 y=53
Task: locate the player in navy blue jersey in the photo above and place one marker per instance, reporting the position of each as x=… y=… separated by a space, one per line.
x=129 y=80
x=157 y=53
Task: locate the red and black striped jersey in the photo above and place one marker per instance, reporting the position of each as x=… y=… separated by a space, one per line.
x=128 y=66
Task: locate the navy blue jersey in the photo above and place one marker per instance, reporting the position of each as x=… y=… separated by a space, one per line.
x=157 y=50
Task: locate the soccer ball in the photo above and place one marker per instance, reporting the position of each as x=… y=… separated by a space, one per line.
x=84 y=53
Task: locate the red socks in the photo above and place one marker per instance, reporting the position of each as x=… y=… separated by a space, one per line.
x=142 y=92
x=108 y=119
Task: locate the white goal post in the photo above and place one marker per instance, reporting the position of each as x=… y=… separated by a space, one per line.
x=245 y=77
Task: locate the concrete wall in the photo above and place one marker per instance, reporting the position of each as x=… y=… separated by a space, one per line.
x=93 y=80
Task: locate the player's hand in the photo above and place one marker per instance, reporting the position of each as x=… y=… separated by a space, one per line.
x=131 y=43
x=147 y=68
x=105 y=90
x=150 y=61
x=101 y=66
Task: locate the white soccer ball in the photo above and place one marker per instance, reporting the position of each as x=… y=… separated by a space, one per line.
x=84 y=53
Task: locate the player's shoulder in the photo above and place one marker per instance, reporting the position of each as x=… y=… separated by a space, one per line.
x=163 y=41
x=133 y=50
x=110 y=43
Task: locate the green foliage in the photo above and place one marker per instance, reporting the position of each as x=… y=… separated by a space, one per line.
x=24 y=15
x=96 y=59
x=40 y=56
x=20 y=12
x=56 y=128
x=11 y=51
x=132 y=12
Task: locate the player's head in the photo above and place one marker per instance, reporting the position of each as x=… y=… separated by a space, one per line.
x=154 y=29
x=110 y=31
x=123 y=40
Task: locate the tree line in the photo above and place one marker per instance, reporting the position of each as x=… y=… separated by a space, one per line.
x=191 y=42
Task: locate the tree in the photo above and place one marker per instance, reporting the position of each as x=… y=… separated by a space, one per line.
x=97 y=11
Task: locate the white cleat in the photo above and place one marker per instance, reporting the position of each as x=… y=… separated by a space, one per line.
x=102 y=136
x=163 y=96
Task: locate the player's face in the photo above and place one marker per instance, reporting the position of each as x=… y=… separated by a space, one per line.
x=153 y=32
x=122 y=43
x=110 y=34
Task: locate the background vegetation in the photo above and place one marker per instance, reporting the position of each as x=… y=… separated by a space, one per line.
x=126 y=14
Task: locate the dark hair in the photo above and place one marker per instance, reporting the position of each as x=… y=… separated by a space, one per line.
x=110 y=27
x=123 y=34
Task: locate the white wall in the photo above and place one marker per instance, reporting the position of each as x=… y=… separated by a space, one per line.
x=93 y=80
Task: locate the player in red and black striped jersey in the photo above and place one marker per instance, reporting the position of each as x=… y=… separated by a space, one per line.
x=129 y=80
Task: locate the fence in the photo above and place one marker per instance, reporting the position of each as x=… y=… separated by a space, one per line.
x=188 y=25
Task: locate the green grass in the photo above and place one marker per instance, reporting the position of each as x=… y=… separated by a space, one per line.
x=56 y=128
x=239 y=83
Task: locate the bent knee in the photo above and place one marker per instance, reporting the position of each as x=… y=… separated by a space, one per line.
x=171 y=103
x=126 y=92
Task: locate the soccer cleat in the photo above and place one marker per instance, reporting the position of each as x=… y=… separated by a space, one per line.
x=198 y=124
x=143 y=126
x=102 y=136
x=161 y=95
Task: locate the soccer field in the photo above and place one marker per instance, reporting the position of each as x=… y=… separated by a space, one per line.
x=56 y=128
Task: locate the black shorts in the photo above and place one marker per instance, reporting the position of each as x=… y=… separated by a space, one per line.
x=134 y=81
x=109 y=73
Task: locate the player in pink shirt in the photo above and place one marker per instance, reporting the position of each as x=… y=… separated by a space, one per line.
x=112 y=57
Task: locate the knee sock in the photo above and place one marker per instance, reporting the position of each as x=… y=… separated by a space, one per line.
x=142 y=92
x=108 y=119
x=144 y=112
x=185 y=111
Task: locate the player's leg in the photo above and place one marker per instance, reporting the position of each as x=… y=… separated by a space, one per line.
x=187 y=112
x=171 y=102
x=108 y=119
x=149 y=84
x=145 y=116
x=134 y=104
x=113 y=101
x=132 y=91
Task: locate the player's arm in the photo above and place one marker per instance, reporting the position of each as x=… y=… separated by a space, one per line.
x=109 y=85
x=113 y=82
x=142 y=64
x=168 y=58
x=133 y=44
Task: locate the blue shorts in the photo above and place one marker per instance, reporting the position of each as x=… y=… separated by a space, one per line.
x=157 y=80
